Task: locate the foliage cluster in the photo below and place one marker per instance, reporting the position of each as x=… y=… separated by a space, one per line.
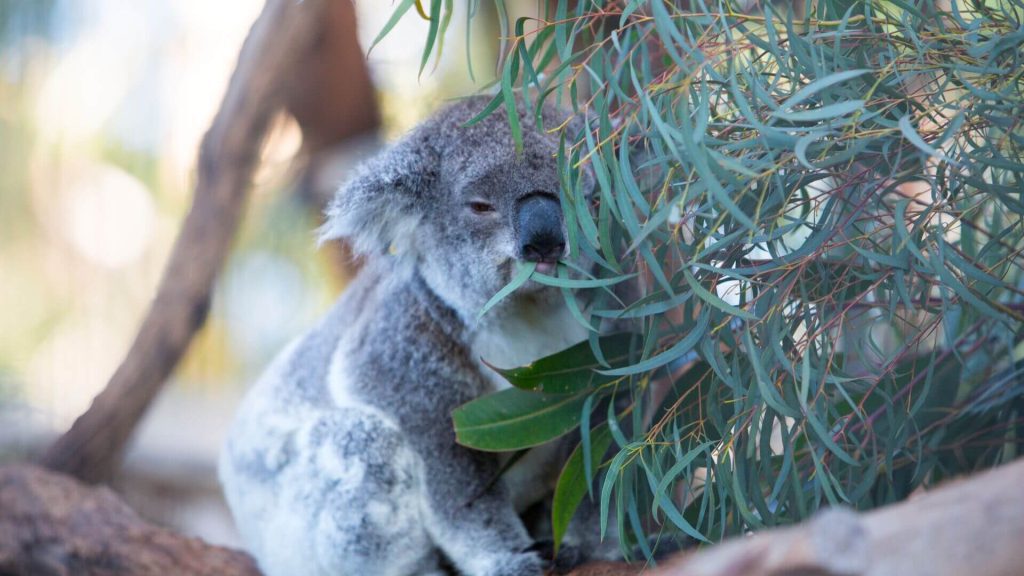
x=821 y=208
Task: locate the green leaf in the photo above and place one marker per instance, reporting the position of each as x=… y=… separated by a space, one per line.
x=432 y=33
x=572 y=483
x=674 y=352
x=907 y=129
x=822 y=113
x=491 y=106
x=508 y=76
x=572 y=370
x=580 y=283
x=611 y=477
x=808 y=91
x=515 y=419
x=525 y=270
x=400 y=11
x=713 y=299
x=663 y=497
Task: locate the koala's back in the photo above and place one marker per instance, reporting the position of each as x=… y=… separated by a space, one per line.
x=311 y=457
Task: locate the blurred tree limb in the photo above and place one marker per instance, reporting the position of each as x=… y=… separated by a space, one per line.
x=302 y=57
x=52 y=526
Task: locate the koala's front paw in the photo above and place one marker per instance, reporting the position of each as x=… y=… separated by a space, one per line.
x=568 y=557
x=521 y=564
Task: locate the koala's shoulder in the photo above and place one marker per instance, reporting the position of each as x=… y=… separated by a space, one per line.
x=390 y=317
x=406 y=355
x=412 y=314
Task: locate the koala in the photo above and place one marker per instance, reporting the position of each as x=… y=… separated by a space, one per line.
x=342 y=458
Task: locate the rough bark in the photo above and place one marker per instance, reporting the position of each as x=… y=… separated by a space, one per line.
x=51 y=525
x=294 y=59
x=972 y=526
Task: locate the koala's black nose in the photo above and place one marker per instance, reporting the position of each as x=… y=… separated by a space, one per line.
x=540 y=228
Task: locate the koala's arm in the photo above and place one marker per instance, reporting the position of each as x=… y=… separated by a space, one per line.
x=469 y=515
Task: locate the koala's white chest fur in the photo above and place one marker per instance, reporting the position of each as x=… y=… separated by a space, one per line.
x=525 y=333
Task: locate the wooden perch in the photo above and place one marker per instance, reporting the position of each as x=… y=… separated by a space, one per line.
x=294 y=59
x=973 y=526
x=51 y=525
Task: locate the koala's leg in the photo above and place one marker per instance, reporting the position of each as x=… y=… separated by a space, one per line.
x=470 y=518
x=367 y=516
x=583 y=535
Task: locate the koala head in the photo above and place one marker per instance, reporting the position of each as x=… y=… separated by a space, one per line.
x=458 y=205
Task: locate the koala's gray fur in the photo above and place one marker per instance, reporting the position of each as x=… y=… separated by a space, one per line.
x=342 y=459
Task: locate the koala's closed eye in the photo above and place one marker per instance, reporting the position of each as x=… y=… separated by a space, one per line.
x=480 y=207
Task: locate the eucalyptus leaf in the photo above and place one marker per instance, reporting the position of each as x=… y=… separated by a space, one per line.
x=810 y=226
x=572 y=484
x=574 y=369
x=515 y=419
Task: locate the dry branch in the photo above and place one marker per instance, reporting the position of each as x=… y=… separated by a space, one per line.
x=291 y=59
x=51 y=525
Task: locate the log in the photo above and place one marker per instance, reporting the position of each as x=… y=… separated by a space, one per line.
x=288 y=61
x=51 y=525
x=972 y=526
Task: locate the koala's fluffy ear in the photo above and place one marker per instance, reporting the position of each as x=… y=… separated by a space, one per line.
x=377 y=210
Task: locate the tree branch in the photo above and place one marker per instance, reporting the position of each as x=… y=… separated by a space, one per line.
x=972 y=526
x=294 y=59
x=52 y=526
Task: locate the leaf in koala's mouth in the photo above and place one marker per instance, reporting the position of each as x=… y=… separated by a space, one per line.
x=522 y=275
x=546 y=267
